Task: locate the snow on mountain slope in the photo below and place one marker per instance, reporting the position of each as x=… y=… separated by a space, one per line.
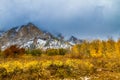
x=41 y=44
x=45 y=44
x=30 y=37
x=57 y=44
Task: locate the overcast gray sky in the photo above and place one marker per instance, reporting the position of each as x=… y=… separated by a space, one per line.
x=81 y=18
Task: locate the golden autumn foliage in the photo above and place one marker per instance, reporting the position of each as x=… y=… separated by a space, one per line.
x=46 y=69
x=96 y=60
x=93 y=49
x=97 y=49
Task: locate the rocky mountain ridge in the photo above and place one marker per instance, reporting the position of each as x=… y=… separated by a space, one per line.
x=30 y=36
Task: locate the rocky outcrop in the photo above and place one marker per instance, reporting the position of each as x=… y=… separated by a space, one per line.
x=20 y=35
x=30 y=35
x=73 y=40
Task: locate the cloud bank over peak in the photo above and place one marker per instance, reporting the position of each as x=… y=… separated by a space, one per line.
x=77 y=17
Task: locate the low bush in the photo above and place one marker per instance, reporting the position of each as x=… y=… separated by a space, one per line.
x=35 y=52
x=52 y=52
x=13 y=51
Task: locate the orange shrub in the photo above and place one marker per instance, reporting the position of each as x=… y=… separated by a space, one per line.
x=13 y=51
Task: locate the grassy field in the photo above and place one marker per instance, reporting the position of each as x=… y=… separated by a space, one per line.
x=58 y=67
x=87 y=60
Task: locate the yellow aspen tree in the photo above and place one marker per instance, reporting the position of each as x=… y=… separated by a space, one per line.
x=84 y=49
x=75 y=51
x=117 y=49
x=110 y=48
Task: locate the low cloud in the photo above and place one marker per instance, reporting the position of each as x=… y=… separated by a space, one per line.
x=70 y=17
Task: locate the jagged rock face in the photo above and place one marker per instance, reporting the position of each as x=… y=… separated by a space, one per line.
x=28 y=31
x=10 y=34
x=22 y=34
x=74 y=40
x=28 y=35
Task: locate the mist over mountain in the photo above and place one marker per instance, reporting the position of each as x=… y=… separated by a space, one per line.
x=83 y=19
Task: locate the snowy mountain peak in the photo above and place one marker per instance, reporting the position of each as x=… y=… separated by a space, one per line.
x=30 y=36
x=73 y=40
